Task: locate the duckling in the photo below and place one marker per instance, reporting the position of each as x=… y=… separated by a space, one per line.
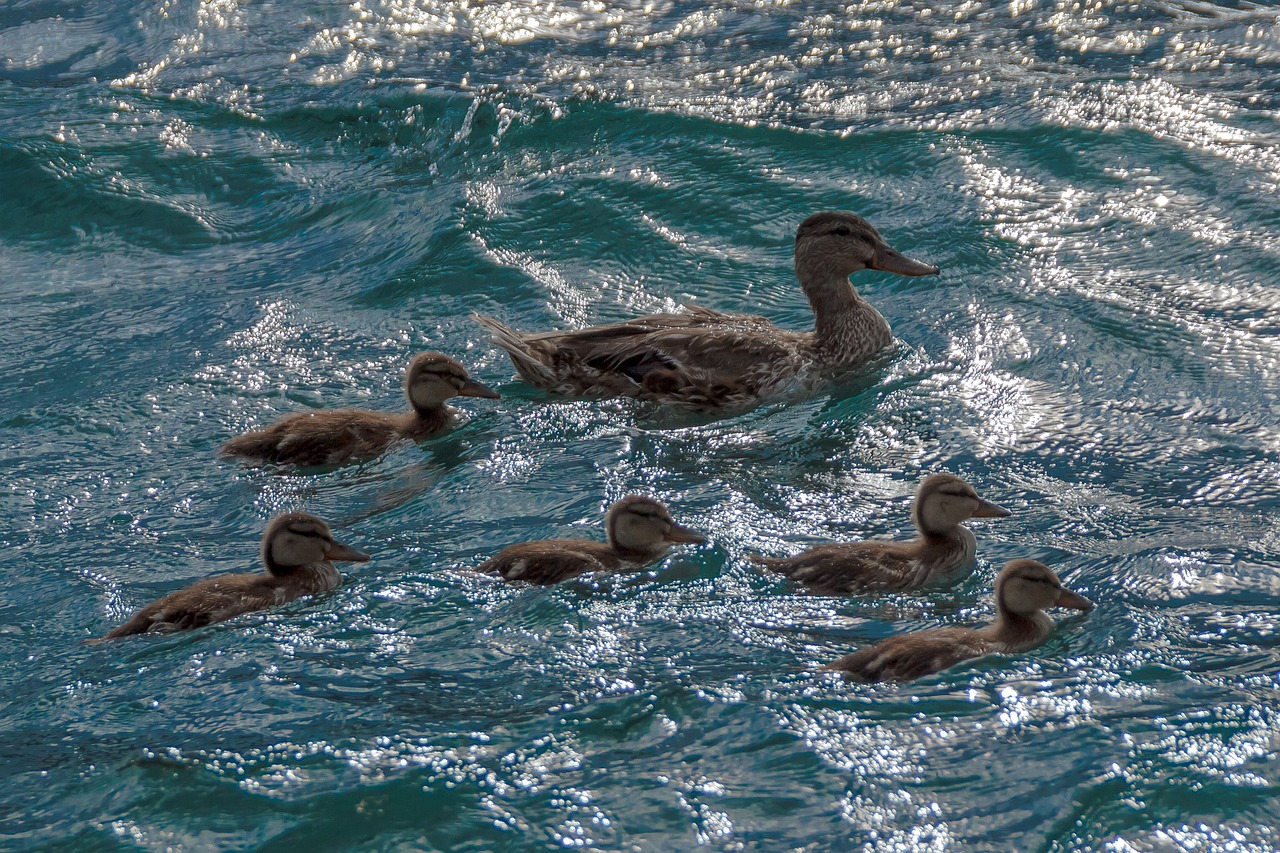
x=1023 y=591
x=337 y=436
x=943 y=551
x=639 y=530
x=298 y=550
x=706 y=360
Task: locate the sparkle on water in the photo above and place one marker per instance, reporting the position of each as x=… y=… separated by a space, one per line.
x=217 y=212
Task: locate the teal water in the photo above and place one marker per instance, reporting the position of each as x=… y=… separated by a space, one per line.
x=213 y=212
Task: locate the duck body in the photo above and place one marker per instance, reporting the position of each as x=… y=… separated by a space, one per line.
x=1023 y=590
x=551 y=561
x=704 y=359
x=943 y=552
x=339 y=436
x=218 y=599
x=298 y=550
x=639 y=531
x=701 y=359
x=855 y=567
x=335 y=436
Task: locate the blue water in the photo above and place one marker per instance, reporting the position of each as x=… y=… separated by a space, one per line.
x=214 y=212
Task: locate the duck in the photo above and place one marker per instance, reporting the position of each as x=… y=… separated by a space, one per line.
x=338 y=436
x=638 y=529
x=298 y=550
x=1024 y=590
x=702 y=359
x=942 y=552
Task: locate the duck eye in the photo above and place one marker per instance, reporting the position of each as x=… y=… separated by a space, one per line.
x=843 y=231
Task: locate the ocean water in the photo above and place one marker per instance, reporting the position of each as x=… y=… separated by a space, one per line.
x=215 y=212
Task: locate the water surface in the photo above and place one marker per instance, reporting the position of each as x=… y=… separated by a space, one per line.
x=215 y=212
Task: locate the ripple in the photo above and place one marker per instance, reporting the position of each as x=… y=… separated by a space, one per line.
x=221 y=212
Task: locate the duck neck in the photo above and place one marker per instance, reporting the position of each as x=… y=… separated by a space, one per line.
x=1019 y=631
x=846 y=327
x=635 y=555
x=942 y=553
x=957 y=538
x=314 y=577
x=425 y=420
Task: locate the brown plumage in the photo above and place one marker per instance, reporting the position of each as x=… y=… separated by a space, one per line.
x=639 y=530
x=298 y=551
x=1024 y=590
x=706 y=359
x=943 y=551
x=336 y=436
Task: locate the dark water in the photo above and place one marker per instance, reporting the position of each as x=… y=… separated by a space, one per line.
x=215 y=212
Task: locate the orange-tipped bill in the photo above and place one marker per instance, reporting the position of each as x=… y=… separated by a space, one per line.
x=1067 y=598
x=889 y=260
x=986 y=509
x=684 y=534
x=472 y=388
x=338 y=551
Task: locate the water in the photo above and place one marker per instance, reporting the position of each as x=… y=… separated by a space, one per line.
x=217 y=212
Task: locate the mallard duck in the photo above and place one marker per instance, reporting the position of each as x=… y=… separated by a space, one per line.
x=336 y=436
x=942 y=552
x=298 y=550
x=704 y=359
x=1023 y=591
x=639 y=530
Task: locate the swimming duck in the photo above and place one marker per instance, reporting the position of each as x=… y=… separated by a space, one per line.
x=942 y=552
x=298 y=550
x=336 y=436
x=1023 y=591
x=639 y=530
x=704 y=359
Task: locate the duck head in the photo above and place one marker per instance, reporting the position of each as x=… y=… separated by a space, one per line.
x=300 y=539
x=840 y=243
x=433 y=378
x=944 y=500
x=1025 y=586
x=638 y=523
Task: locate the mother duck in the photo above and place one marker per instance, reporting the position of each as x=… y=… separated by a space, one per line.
x=704 y=359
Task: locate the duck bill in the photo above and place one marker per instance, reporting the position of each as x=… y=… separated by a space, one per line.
x=986 y=509
x=1070 y=600
x=888 y=260
x=684 y=534
x=338 y=551
x=472 y=388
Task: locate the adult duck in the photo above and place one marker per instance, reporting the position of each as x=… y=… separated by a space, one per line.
x=704 y=359
x=298 y=550
x=638 y=530
x=1024 y=590
x=942 y=552
x=337 y=436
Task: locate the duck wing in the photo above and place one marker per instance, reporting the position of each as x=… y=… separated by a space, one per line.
x=702 y=358
x=550 y=561
x=847 y=568
x=910 y=656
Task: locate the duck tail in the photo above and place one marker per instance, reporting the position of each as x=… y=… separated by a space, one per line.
x=136 y=625
x=773 y=564
x=529 y=362
x=256 y=445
